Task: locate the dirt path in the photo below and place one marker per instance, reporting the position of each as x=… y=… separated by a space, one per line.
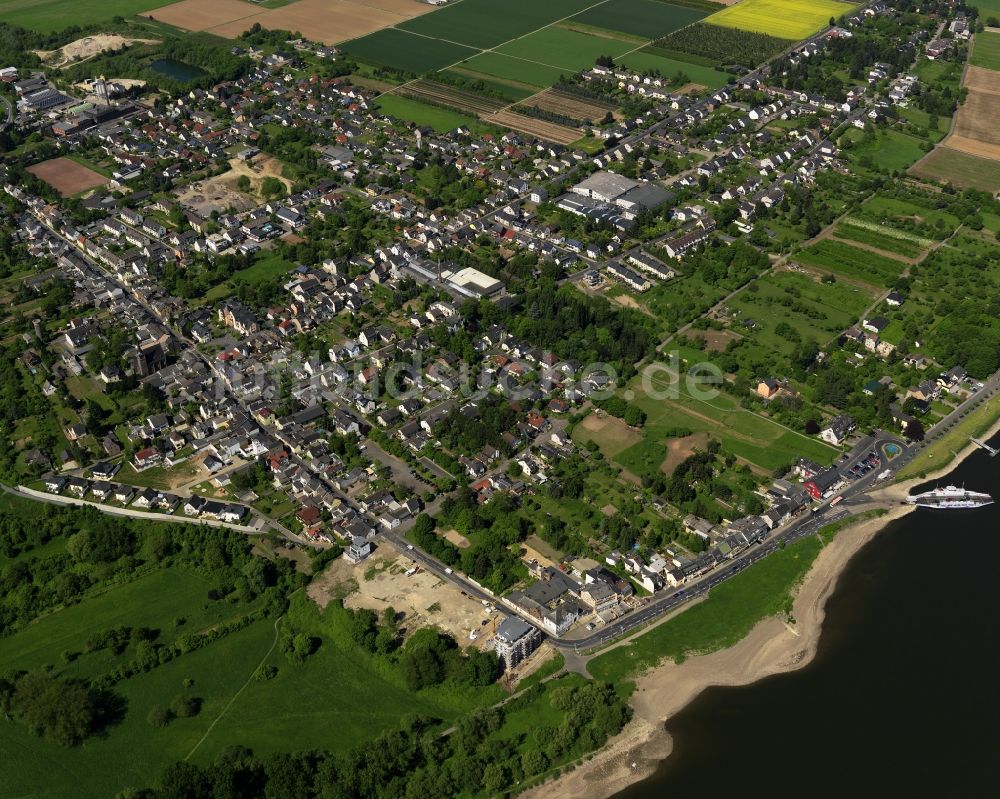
x=243 y=687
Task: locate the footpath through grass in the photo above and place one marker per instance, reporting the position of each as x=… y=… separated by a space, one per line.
x=723 y=619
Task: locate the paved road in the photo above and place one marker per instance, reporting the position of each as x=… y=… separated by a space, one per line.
x=58 y=499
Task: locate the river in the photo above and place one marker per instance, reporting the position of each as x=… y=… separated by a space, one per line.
x=903 y=696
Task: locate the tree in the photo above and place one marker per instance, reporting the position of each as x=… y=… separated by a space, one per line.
x=914 y=430
x=159 y=716
x=243 y=183
x=272 y=187
x=63 y=711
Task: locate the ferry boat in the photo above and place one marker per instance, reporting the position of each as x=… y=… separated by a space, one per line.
x=950 y=497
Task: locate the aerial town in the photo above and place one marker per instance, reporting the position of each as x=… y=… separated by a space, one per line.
x=533 y=386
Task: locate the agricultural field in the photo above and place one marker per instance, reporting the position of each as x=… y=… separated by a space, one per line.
x=483 y=24
x=887 y=239
x=648 y=19
x=442 y=94
x=505 y=67
x=396 y=48
x=412 y=110
x=935 y=222
x=885 y=242
x=786 y=19
x=852 y=262
x=719 y=45
x=986 y=50
x=47 y=16
x=959 y=168
x=66 y=176
x=816 y=310
x=508 y=89
x=320 y=20
x=646 y=61
x=564 y=49
x=570 y=105
x=975 y=131
x=550 y=131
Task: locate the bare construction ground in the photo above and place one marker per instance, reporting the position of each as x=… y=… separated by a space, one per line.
x=611 y=434
x=67 y=176
x=680 y=449
x=423 y=599
x=86 y=48
x=220 y=192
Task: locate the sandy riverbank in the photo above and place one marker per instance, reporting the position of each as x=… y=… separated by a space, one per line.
x=772 y=647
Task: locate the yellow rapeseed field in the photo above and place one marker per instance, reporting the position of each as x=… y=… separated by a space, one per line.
x=786 y=19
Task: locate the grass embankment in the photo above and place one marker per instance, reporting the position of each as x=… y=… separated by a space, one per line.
x=728 y=614
x=943 y=448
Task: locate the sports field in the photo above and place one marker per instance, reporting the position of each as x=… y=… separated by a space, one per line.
x=786 y=19
x=54 y=15
x=67 y=176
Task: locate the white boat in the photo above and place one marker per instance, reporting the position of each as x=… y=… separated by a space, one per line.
x=950 y=497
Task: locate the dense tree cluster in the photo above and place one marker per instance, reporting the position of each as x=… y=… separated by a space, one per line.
x=99 y=549
x=723 y=45
x=64 y=711
x=574 y=325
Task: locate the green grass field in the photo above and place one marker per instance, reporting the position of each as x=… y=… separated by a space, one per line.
x=340 y=697
x=564 y=49
x=266 y=268
x=649 y=19
x=156 y=601
x=843 y=259
x=441 y=119
x=396 y=48
x=889 y=208
x=890 y=150
x=724 y=618
x=786 y=19
x=54 y=15
x=668 y=67
x=747 y=435
x=510 y=89
x=986 y=50
x=501 y=66
x=818 y=311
